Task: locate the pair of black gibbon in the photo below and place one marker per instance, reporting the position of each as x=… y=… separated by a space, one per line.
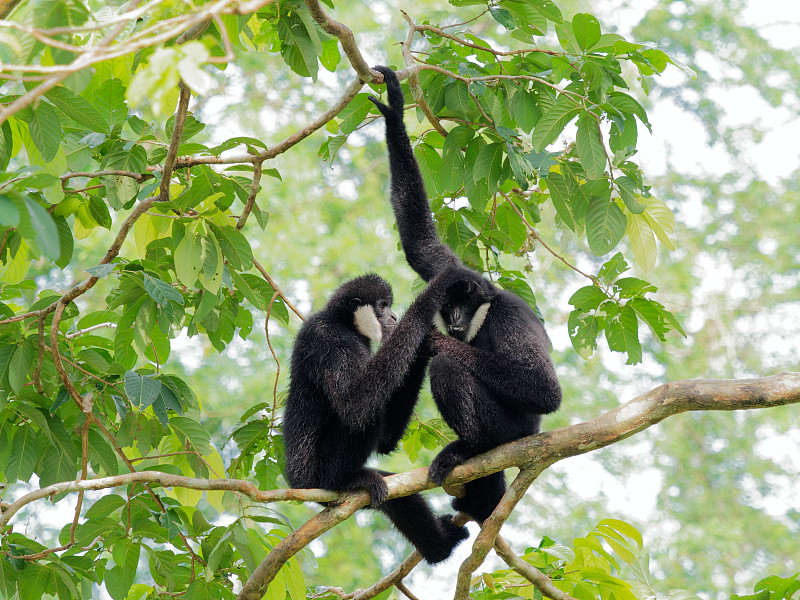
x=491 y=376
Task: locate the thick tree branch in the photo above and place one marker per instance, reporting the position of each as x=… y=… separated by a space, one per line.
x=256 y=585
x=491 y=527
x=534 y=454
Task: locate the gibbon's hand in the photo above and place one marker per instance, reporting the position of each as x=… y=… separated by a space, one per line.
x=395 y=95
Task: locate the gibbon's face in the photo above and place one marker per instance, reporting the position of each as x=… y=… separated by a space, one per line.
x=375 y=321
x=464 y=310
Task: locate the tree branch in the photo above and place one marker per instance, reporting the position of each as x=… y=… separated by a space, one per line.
x=539 y=580
x=346 y=39
x=534 y=454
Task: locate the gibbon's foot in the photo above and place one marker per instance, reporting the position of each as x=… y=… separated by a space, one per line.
x=377 y=491
x=449 y=535
x=442 y=465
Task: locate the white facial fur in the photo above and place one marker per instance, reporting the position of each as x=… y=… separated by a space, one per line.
x=367 y=323
x=477 y=320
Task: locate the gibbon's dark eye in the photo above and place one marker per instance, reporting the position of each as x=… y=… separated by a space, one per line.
x=447 y=306
x=383 y=305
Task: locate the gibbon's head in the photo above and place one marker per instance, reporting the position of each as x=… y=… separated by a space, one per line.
x=366 y=304
x=465 y=308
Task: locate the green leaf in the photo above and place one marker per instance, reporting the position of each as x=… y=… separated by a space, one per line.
x=548 y=9
x=120 y=578
x=502 y=16
x=452 y=171
x=583 y=329
x=211 y=275
x=661 y=221
x=59 y=462
x=355 y=112
x=36 y=581
x=66 y=243
x=553 y=122
x=24 y=451
x=643 y=241
x=586 y=29
x=161 y=291
x=192 y=431
x=109 y=99
x=45 y=129
x=6 y=145
x=525 y=109
x=613 y=268
x=559 y=194
x=588 y=298
x=627 y=191
x=429 y=165
x=605 y=226
x=457 y=98
x=141 y=391
x=234 y=246
x=622 y=335
x=21 y=363
x=297 y=48
x=77 y=108
x=489 y=164
x=9 y=213
x=589 y=144
x=188 y=258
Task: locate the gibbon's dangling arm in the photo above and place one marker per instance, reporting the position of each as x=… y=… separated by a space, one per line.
x=358 y=389
x=424 y=251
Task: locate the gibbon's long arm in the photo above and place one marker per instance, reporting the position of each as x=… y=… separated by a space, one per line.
x=521 y=380
x=360 y=389
x=402 y=402
x=424 y=251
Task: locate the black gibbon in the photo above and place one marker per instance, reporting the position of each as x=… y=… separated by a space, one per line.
x=345 y=403
x=491 y=377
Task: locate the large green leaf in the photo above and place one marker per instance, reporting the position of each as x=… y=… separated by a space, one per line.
x=553 y=122
x=141 y=390
x=45 y=130
x=77 y=108
x=429 y=165
x=559 y=194
x=589 y=144
x=192 y=431
x=24 y=450
x=161 y=291
x=586 y=29
x=622 y=335
x=188 y=258
x=297 y=47
x=605 y=226
x=59 y=462
x=489 y=164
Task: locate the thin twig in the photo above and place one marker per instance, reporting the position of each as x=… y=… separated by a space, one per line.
x=275 y=287
x=251 y=198
x=413 y=80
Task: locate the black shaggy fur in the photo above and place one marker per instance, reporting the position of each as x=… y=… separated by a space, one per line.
x=345 y=403
x=493 y=387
